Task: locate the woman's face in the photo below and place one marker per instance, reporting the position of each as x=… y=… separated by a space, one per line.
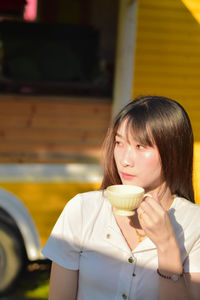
x=137 y=164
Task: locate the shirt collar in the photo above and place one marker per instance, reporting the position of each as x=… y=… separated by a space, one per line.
x=113 y=235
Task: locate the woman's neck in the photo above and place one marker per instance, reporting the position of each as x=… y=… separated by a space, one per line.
x=165 y=197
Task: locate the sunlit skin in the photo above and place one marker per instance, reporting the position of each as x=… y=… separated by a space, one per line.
x=140 y=165
x=137 y=164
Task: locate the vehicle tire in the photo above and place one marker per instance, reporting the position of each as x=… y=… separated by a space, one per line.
x=11 y=256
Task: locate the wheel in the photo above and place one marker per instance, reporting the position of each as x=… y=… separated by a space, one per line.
x=11 y=256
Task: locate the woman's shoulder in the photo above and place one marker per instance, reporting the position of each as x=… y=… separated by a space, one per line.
x=87 y=201
x=91 y=196
x=183 y=203
x=87 y=208
x=186 y=209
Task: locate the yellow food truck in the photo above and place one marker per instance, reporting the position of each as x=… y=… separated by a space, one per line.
x=43 y=165
x=50 y=144
x=31 y=198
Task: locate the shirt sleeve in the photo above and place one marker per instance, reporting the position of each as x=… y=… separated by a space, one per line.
x=192 y=263
x=64 y=244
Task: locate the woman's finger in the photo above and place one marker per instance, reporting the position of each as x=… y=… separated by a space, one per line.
x=151 y=207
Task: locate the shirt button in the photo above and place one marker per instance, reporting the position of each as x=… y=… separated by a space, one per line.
x=131 y=260
x=124 y=296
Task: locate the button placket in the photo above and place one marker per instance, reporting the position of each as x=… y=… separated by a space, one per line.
x=131 y=271
x=125 y=281
x=132 y=260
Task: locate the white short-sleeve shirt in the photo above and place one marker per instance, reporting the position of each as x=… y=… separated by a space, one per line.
x=87 y=238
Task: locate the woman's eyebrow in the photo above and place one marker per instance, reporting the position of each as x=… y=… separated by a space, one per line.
x=118 y=135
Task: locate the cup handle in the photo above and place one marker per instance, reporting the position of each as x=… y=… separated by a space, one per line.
x=147 y=195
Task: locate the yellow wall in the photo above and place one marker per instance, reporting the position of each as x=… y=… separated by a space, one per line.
x=167 y=60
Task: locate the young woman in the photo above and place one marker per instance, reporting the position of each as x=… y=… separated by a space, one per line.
x=154 y=254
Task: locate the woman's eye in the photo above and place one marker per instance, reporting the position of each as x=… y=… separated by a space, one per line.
x=139 y=146
x=118 y=142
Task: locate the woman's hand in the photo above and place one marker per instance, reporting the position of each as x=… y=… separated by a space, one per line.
x=155 y=221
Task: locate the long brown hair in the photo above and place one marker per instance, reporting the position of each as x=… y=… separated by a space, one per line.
x=163 y=122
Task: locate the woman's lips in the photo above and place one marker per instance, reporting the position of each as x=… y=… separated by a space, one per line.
x=127 y=176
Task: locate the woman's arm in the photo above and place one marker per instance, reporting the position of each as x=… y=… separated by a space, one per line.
x=157 y=225
x=193 y=284
x=187 y=287
x=180 y=290
x=63 y=283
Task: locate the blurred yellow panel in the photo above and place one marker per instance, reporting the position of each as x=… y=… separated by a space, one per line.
x=167 y=60
x=194 y=7
x=45 y=201
x=197 y=172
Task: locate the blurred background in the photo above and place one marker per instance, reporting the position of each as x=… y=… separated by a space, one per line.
x=66 y=68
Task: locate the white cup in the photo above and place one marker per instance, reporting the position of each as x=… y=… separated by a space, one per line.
x=125 y=198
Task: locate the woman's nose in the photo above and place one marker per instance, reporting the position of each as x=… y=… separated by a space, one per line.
x=127 y=158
